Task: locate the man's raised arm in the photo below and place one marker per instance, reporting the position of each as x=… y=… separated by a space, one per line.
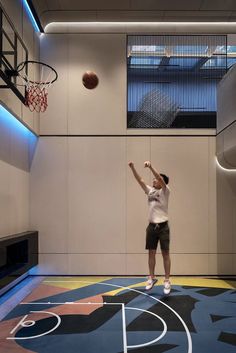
x=138 y=177
x=148 y=164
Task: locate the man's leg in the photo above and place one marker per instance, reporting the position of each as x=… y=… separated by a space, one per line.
x=152 y=262
x=151 y=246
x=166 y=262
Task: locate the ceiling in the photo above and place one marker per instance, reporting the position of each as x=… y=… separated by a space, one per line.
x=135 y=10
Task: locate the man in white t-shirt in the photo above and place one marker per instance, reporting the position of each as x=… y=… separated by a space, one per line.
x=158 y=228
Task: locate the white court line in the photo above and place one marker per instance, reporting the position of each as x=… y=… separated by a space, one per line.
x=75 y=303
x=190 y=346
x=156 y=339
x=19 y=323
x=32 y=323
x=89 y=303
x=124 y=329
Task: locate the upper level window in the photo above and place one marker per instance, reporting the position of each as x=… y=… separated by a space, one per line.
x=172 y=79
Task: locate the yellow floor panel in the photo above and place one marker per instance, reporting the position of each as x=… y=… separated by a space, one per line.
x=83 y=281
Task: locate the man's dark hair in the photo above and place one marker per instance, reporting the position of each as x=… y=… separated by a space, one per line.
x=165 y=177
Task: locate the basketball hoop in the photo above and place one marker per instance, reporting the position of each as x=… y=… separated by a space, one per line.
x=36 y=91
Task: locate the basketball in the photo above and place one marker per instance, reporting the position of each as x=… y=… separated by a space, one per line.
x=90 y=80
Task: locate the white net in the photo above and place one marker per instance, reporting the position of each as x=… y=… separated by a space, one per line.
x=156 y=110
x=37 y=78
x=36 y=97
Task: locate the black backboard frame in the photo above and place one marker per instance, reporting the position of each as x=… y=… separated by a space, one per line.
x=5 y=65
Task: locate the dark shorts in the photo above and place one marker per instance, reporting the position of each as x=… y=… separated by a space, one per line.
x=156 y=232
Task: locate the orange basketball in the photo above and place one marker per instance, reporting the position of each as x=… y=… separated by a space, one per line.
x=90 y=80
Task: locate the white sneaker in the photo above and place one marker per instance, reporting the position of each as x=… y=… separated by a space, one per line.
x=167 y=287
x=150 y=283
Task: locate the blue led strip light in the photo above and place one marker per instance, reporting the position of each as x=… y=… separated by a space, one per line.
x=32 y=15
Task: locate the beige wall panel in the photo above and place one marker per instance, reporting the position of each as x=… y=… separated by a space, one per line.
x=36 y=120
x=234 y=226
x=97 y=204
x=225 y=210
x=54 y=52
x=14 y=179
x=226 y=221
x=5 y=141
x=101 y=110
x=19 y=199
x=234 y=263
x=14 y=10
x=52 y=237
x=11 y=101
x=28 y=35
x=184 y=264
x=48 y=196
x=138 y=151
x=31 y=119
x=225 y=100
x=226 y=179
x=185 y=161
x=190 y=264
x=5 y=204
x=212 y=260
x=14 y=205
x=51 y=264
x=221 y=264
x=226 y=148
x=19 y=149
x=137 y=264
x=96 y=264
x=212 y=204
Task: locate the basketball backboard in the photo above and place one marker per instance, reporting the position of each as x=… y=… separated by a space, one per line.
x=13 y=52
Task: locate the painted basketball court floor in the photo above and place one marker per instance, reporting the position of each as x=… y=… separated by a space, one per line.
x=117 y=315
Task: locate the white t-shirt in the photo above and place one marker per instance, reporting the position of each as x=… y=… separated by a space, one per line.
x=157 y=204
